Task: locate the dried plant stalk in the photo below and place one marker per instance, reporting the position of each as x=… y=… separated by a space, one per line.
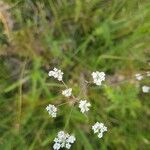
x=5 y=18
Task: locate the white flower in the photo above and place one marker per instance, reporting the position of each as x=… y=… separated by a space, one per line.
x=68 y=146
x=138 y=76
x=100 y=135
x=98 y=77
x=84 y=106
x=56 y=73
x=67 y=92
x=71 y=139
x=148 y=73
x=145 y=89
x=52 y=110
x=99 y=128
x=56 y=146
x=63 y=140
x=61 y=135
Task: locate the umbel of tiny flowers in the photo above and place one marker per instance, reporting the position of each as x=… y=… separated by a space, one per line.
x=98 y=77
x=56 y=73
x=67 y=92
x=99 y=128
x=52 y=110
x=145 y=89
x=84 y=106
x=138 y=76
x=63 y=140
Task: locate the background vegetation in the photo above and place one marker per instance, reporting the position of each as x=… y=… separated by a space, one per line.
x=77 y=36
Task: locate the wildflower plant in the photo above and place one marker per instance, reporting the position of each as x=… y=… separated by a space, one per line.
x=65 y=140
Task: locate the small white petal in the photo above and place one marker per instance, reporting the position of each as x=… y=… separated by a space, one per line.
x=56 y=146
x=55 y=69
x=148 y=73
x=51 y=73
x=71 y=139
x=100 y=135
x=138 y=76
x=146 y=89
x=68 y=146
x=61 y=134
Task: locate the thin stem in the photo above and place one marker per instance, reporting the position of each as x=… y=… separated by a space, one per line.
x=67 y=122
x=64 y=84
x=20 y=96
x=75 y=100
x=62 y=104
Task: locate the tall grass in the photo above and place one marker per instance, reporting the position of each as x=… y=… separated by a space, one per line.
x=77 y=36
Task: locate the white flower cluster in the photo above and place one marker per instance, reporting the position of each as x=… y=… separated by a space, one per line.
x=56 y=73
x=84 y=106
x=98 y=77
x=52 y=110
x=148 y=73
x=63 y=140
x=67 y=92
x=138 y=76
x=99 y=128
x=146 y=89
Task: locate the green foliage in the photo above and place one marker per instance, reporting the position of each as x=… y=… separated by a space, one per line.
x=76 y=36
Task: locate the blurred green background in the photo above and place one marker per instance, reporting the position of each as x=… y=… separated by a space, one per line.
x=78 y=37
